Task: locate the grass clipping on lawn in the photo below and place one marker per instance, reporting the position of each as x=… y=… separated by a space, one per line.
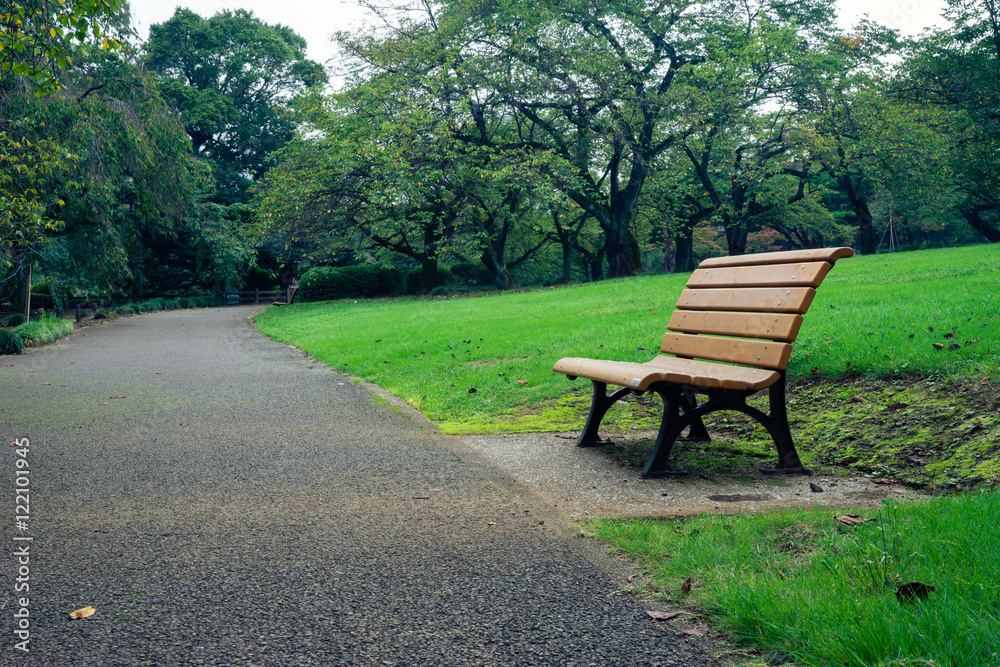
x=910 y=584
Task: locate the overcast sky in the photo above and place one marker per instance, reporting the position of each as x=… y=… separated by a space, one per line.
x=316 y=21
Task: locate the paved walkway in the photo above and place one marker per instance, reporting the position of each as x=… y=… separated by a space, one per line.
x=219 y=498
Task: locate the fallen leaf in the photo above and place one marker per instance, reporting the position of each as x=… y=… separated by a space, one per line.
x=522 y=382
x=815 y=488
x=954 y=346
x=949 y=336
x=103 y=403
x=850 y=519
x=662 y=615
x=686 y=586
x=975 y=428
x=914 y=590
x=972 y=342
x=83 y=613
x=695 y=632
x=472 y=390
x=883 y=480
x=913 y=459
x=491 y=523
x=938 y=346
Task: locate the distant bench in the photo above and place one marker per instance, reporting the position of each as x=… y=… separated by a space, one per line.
x=743 y=310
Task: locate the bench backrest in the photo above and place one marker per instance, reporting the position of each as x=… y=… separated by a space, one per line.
x=748 y=309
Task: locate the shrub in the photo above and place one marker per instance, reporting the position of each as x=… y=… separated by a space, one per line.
x=325 y=283
x=445 y=277
x=472 y=273
x=43 y=331
x=100 y=314
x=10 y=342
x=15 y=319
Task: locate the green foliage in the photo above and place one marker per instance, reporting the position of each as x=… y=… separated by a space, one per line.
x=231 y=77
x=10 y=342
x=326 y=283
x=43 y=331
x=809 y=589
x=468 y=272
x=38 y=38
x=15 y=319
x=445 y=277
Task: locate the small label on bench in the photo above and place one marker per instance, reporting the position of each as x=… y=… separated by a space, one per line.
x=635 y=382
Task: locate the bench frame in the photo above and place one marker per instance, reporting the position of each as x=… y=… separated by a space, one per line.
x=681 y=409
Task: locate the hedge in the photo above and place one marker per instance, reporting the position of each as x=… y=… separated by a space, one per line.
x=326 y=283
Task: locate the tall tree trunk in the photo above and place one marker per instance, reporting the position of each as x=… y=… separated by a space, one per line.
x=428 y=273
x=975 y=220
x=866 y=230
x=668 y=251
x=684 y=256
x=617 y=244
x=736 y=237
x=495 y=263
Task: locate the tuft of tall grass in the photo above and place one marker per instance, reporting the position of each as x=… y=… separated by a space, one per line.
x=813 y=590
x=42 y=331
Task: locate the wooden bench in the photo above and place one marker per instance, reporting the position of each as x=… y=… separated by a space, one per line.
x=730 y=337
x=291 y=295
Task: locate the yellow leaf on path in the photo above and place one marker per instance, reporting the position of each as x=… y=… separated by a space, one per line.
x=83 y=613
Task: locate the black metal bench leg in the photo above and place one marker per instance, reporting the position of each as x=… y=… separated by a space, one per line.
x=697 y=432
x=658 y=464
x=599 y=407
x=788 y=458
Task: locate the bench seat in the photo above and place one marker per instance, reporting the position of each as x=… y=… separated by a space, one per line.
x=692 y=372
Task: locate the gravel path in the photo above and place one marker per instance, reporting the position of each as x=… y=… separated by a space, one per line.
x=221 y=499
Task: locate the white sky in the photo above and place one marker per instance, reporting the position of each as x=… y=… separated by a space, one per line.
x=316 y=21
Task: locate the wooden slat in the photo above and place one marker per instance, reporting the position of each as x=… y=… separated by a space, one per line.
x=765 y=325
x=763 y=354
x=752 y=300
x=830 y=255
x=668 y=369
x=806 y=274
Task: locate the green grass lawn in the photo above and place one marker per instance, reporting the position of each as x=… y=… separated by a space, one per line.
x=895 y=372
x=806 y=589
x=485 y=364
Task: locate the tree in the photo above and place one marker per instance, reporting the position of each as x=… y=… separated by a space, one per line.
x=39 y=38
x=957 y=72
x=601 y=91
x=231 y=77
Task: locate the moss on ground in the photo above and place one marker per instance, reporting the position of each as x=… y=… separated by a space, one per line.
x=920 y=431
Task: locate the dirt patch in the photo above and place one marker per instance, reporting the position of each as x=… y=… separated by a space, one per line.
x=586 y=482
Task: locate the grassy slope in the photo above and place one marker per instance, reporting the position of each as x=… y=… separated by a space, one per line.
x=484 y=364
